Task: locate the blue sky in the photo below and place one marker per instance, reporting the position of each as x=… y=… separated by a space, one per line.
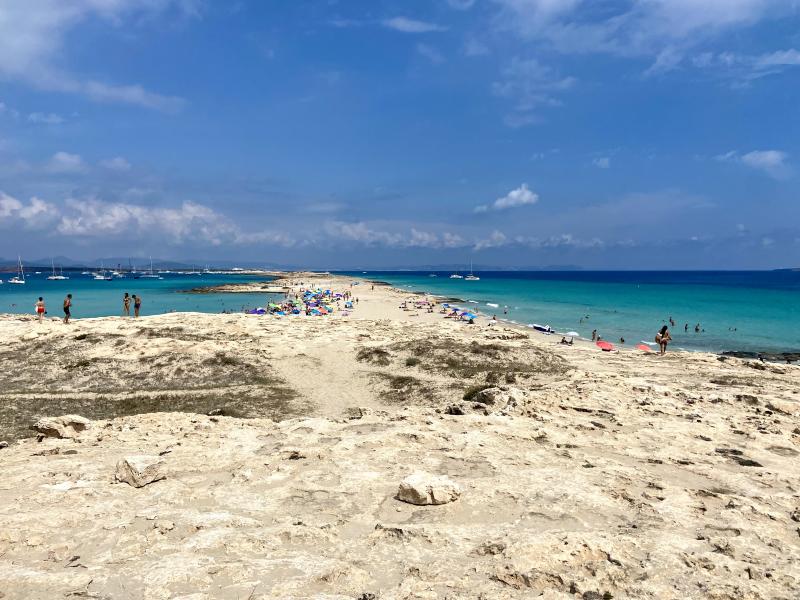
x=604 y=134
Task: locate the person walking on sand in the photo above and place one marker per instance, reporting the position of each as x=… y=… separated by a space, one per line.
x=40 y=309
x=663 y=338
x=126 y=305
x=594 y=335
x=137 y=304
x=67 y=307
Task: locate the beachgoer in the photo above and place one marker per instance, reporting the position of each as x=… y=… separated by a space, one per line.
x=686 y=328
x=622 y=340
x=137 y=304
x=126 y=305
x=671 y=322
x=697 y=328
x=663 y=338
x=594 y=335
x=40 y=309
x=67 y=307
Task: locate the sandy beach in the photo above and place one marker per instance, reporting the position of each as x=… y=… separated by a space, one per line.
x=280 y=444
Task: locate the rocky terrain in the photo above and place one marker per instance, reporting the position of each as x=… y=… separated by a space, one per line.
x=388 y=455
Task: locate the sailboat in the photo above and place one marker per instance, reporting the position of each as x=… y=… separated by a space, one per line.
x=150 y=274
x=102 y=274
x=20 y=278
x=456 y=276
x=54 y=276
x=471 y=276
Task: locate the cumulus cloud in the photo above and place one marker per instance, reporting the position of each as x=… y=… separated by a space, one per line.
x=406 y=25
x=64 y=162
x=34 y=215
x=116 y=164
x=495 y=239
x=520 y=196
x=189 y=221
x=32 y=36
x=771 y=162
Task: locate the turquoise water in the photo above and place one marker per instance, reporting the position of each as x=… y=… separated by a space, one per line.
x=763 y=307
x=104 y=298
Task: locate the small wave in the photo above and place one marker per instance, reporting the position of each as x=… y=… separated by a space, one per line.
x=493 y=305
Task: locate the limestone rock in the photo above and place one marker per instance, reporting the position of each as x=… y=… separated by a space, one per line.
x=139 y=470
x=422 y=488
x=3 y=444
x=65 y=426
x=499 y=396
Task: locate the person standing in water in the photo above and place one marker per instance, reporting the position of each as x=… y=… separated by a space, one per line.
x=67 y=307
x=137 y=304
x=40 y=309
x=663 y=338
x=126 y=305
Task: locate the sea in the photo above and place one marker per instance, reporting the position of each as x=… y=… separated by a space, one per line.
x=748 y=311
x=91 y=298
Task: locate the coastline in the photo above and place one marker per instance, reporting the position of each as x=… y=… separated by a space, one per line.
x=581 y=472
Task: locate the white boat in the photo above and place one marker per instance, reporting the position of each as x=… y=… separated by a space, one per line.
x=19 y=279
x=456 y=276
x=54 y=276
x=471 y=276
x=150 y=274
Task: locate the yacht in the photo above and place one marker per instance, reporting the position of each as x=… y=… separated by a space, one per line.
x=150 y=274
x=456 y=276
x=54 y=276
x=471 y=276
x=19 y=279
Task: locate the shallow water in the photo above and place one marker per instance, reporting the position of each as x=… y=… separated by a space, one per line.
x=738 y=310
x=104 y=298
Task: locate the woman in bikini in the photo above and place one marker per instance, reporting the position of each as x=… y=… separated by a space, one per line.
x=137 y=304
x=126 y=305
x=663 y=338
x=40 y=309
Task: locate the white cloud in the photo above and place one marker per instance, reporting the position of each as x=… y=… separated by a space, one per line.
x=45 y=118
x=406 y=25
x=116 y=164
x=33 y=33
x=36 y=214
x=520 y=196
x=664 y=30
x=604 y=162
x=431 y=53
x=771 y=162
x=64 y=162
x=529 y=85
x=495 y=239
x=361 y=232
x=188 y=222
x=564 y=240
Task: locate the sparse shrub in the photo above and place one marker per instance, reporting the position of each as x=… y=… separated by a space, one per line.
x=412 y=361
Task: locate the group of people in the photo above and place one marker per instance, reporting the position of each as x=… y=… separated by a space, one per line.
x=127 y=300
x=41 y=309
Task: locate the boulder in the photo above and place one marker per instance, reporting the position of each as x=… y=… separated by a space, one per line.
x=139 y=470
x=499 y=396
x=65 y=426
x=422 y=488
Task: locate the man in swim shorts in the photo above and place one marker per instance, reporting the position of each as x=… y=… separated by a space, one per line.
x=67 y=306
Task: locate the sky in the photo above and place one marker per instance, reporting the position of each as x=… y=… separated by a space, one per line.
x=605 y=134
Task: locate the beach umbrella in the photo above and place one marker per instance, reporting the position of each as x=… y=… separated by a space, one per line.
x=643 y=348
x=605 y=346
x=573 y=334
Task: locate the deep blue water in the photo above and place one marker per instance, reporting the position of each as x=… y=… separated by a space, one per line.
x=738 y=310
x=104 y=298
